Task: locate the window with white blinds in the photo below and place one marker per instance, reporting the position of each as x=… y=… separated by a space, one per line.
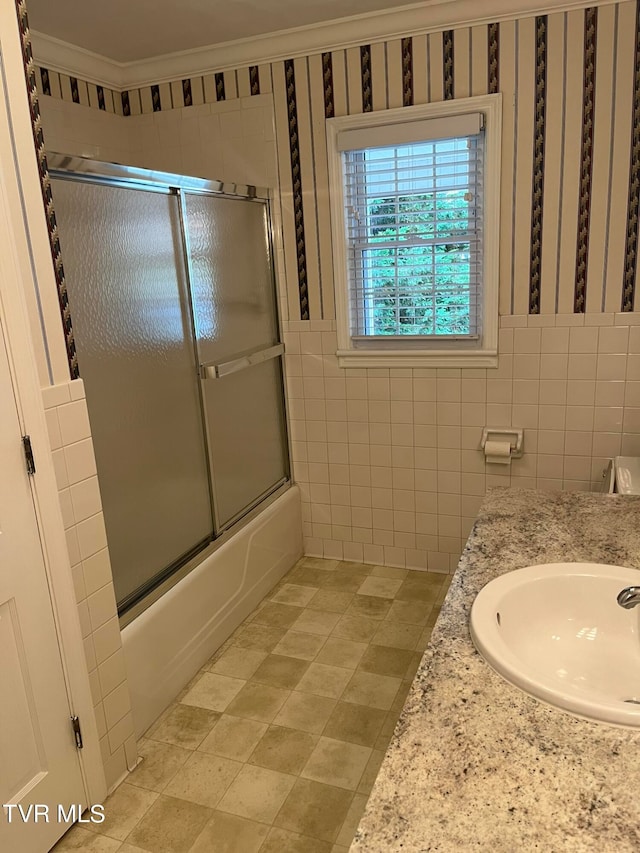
x=413 y=226
x=413 y=215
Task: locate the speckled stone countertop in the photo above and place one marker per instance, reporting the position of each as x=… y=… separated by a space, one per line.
x=475 y=764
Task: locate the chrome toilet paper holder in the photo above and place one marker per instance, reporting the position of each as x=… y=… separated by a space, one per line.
x=514 y=435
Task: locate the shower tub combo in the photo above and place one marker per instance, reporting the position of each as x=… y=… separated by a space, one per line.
x=173 y=299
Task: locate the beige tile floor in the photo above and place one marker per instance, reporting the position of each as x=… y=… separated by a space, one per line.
x=275 y=744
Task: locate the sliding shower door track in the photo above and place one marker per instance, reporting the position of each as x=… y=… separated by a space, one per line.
x=143 y=598
x=139 y=594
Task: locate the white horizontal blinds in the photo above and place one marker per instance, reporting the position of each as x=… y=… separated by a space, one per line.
x=414 y=217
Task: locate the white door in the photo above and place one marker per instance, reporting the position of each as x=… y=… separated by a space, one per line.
x=39 y=762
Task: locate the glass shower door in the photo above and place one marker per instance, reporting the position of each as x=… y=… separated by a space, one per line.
x=239 y=349
x=123 y=256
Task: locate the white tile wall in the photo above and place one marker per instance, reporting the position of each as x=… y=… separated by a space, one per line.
x=76 y=129
x=79 y=493
x=389 y=461
x=231 y=140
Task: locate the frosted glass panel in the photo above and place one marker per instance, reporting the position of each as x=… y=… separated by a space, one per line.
x=235 y=313
x=245 y=419
x=231 y=277
x=123 y=262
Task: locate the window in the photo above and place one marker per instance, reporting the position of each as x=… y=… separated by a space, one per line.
x=415 y=201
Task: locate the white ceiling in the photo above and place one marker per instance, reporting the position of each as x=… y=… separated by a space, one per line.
x=130 y=30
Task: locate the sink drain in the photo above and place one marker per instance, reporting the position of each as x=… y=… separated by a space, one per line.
x=632 y=701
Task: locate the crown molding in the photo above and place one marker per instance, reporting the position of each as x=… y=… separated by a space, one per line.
x=66 y=58
x=416 y=19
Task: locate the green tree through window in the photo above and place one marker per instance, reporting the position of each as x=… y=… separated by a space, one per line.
x=417 y=265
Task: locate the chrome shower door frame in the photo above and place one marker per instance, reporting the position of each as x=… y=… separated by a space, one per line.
x=78 y=168
x=217 y=370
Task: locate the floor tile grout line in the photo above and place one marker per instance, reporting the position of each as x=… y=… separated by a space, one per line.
x=384 y=586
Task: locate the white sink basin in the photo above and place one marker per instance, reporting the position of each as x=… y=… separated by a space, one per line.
x=557 y=632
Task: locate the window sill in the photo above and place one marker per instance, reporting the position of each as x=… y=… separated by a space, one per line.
x=417 y=358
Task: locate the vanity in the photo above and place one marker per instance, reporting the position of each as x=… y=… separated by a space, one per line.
x=477 y=764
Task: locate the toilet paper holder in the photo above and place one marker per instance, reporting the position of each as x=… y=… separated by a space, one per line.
x=514 y=435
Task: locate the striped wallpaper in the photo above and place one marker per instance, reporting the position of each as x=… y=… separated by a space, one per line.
x=45 y=185
x=571 y=144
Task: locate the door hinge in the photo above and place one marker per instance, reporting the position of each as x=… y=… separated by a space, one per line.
x=75 y=722
x=28 y=455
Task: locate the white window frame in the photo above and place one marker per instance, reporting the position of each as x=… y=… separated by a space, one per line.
x=485 y=352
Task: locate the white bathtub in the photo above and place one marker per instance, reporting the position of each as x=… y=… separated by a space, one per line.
x=166 y=645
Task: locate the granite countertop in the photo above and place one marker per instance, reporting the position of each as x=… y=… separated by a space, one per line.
x=475 y=764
